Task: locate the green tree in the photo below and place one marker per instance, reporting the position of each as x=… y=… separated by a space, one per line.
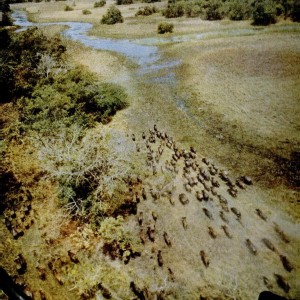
x=264 y=12
x=112 y=16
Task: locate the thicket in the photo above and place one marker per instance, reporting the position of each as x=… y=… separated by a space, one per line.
x=262 y=12
x=146 y=11
x=100 y=3
x=58 y=104
x=165 y=28
x=124 y=2
x=112 y=16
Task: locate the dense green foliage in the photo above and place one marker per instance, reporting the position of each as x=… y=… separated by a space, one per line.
x=146 y=11
x=100 y=3
x=124 y=2
x=112 y=16
x=165 y=28
x=262 y=12
x=57 y=104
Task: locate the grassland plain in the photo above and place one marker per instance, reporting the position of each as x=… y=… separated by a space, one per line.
x=243 y=133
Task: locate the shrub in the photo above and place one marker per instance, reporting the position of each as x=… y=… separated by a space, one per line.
x=174 y=10
x=192 y=10
x=68 y=8
x=100 y=3
x=165 y=28
x=264 y=13
x=295 y=11
x=238 y=10
x=213 y=10
x=146 y=11
x=150 y=1
x=124 y=2
x=86 y=12
x=112 y=16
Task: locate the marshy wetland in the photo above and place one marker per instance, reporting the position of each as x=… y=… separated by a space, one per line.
x=200 y=194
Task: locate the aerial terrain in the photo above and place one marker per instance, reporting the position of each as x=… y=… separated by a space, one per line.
x=140 y=164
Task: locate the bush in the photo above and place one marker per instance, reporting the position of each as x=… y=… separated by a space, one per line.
x=174 y=10
x=100 y=3
x=86 y=12
x=146 y=11
x=192 y=10
x=150 y=1
x=165 y=28
x=295 y=11
x=264 y=13
x=238 y=10
x=68 y=8
x=124 y=2
x=213 y=10
x=112 y=16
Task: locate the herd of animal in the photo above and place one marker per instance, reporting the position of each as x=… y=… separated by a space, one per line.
x=196 y=179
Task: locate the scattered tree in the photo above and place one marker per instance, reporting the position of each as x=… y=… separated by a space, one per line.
x=112 y=16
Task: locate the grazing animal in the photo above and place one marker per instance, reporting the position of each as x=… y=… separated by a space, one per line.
x=143 y=135
x=21 y=264
x=140 y=218
x=167 y=239
x=204 y=258
x=188 y=188
x=184 y=223
x=73 y=257
x=171 y=201
x=267 y=283
x=183 y=199
x=133 y=137
x=240 y=184
x=144 y=195
x=159 y=258
x=223 y=217
x=269 y=244
x=286 y=263
x=137 y=291
x=154 y=216
x=199 y=196
x=215 y=182
x=247 y=180
x=282 y=283
x=211 y=232
x=142 y=236
x=236 y=212
x=251 y=247
x=281 y=234
x=208 y=213
x=261 y=214
x=226 y=231
x=151 y=233
x=171 y=274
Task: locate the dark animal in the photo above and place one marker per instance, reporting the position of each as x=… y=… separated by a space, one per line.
x=183 y=199
x=261 y=214
x=204 y=258
x=236 y=212
x=137 y=291
x=151 y=233
x=269 y=244
x=281 y=234
x=251 y=247
x=286 y=263
x=282 y=283
x=159 y=258
x=73 y=257
x=211 y=232
x=208 y=213
x=167 y=239
x=9 y=287
x=21 y=264
x=184 y=223
x=223 y=217
x=226 y=231
x=140 y=218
